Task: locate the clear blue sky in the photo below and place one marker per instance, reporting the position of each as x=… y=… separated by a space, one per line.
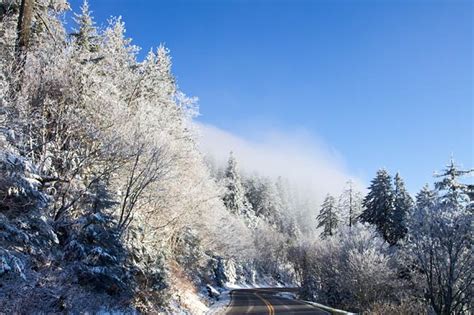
x=386 y=83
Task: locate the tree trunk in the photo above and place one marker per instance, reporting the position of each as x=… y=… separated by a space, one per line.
x=24 y=26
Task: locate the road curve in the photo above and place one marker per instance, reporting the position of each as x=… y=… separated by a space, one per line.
x=266 y=301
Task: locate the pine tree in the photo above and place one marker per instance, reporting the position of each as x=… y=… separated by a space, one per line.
x=292 y=229
x=264 y=201
x=284 y=197
x=328 y=217
x=256 y=193
x=426 y=198
x=453 y=191
x=425 y=202
x=379 y=205
x=403 y=204
x=234 y=197
x=350 y=204
x=86 y=33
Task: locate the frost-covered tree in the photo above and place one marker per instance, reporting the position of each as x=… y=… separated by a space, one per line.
x=86 y=33
x=350 y=204
x=352 y=270
x=285 y=199
x=328 y=217
x=426 y=198
x=234 y=197
x=291 y=215
x=258 y=193
x=403 y=204
x=118 y=179
x=452 y=189
x=292 y=229
x=440 y=242
x=379 y=205
x=270 y=249
x=264 y=200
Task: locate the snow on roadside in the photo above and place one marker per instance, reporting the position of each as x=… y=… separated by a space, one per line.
x=334 y=311
x=286 y=295
x=220 y=305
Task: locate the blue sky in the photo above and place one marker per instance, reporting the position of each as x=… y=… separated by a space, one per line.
x=384 y=83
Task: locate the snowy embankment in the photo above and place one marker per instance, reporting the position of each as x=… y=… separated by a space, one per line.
x=333 y=311
x=221 y=304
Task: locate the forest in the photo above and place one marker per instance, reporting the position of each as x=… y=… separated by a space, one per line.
x=108 y=204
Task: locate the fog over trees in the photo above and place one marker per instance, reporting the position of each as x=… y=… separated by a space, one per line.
x=107 y=202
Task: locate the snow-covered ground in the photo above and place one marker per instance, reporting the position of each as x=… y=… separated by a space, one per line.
x=292 y=296
x=220 y=305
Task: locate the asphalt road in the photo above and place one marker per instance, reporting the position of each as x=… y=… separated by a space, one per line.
x=267 y=302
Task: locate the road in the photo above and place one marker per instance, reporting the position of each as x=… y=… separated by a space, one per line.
x=268 y=302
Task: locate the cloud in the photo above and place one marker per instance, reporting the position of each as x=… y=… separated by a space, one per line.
x=305 y=161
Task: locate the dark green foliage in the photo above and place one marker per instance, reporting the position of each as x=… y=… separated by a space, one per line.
x=387 y=207
x=403 y=205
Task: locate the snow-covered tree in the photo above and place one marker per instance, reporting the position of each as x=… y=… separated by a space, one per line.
x=426 y=198
x=352 y=270
x=264 y=200
x=403 y=204
x=270 y=249
x=451 y=189
x=328 y=217
x=284 y=193
x=387 y=206
x=112 y=144
x=350 y=204
x=440 y=242
x=379 y=205
x=234 y=197
x=86 y=33
x=258 y=194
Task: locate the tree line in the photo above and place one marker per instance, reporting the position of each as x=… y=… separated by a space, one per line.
x=402 y=255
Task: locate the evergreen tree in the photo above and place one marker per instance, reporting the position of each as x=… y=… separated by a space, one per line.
x=452 y=191
x=403 y=204
x=86 y=33
x=379 y=205
x=291 y=229
x=425 y=202
x=264 y=201
x=234 y=197
x=284 y=197
x=350 y=204
x=328 y=218
x=257 y=193
x=426 y=198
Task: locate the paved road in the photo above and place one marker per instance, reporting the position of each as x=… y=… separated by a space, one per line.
x=267 y=302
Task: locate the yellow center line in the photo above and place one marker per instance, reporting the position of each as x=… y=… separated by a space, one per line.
x=271 y=310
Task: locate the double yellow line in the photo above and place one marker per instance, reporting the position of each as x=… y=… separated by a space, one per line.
x=271 y=310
